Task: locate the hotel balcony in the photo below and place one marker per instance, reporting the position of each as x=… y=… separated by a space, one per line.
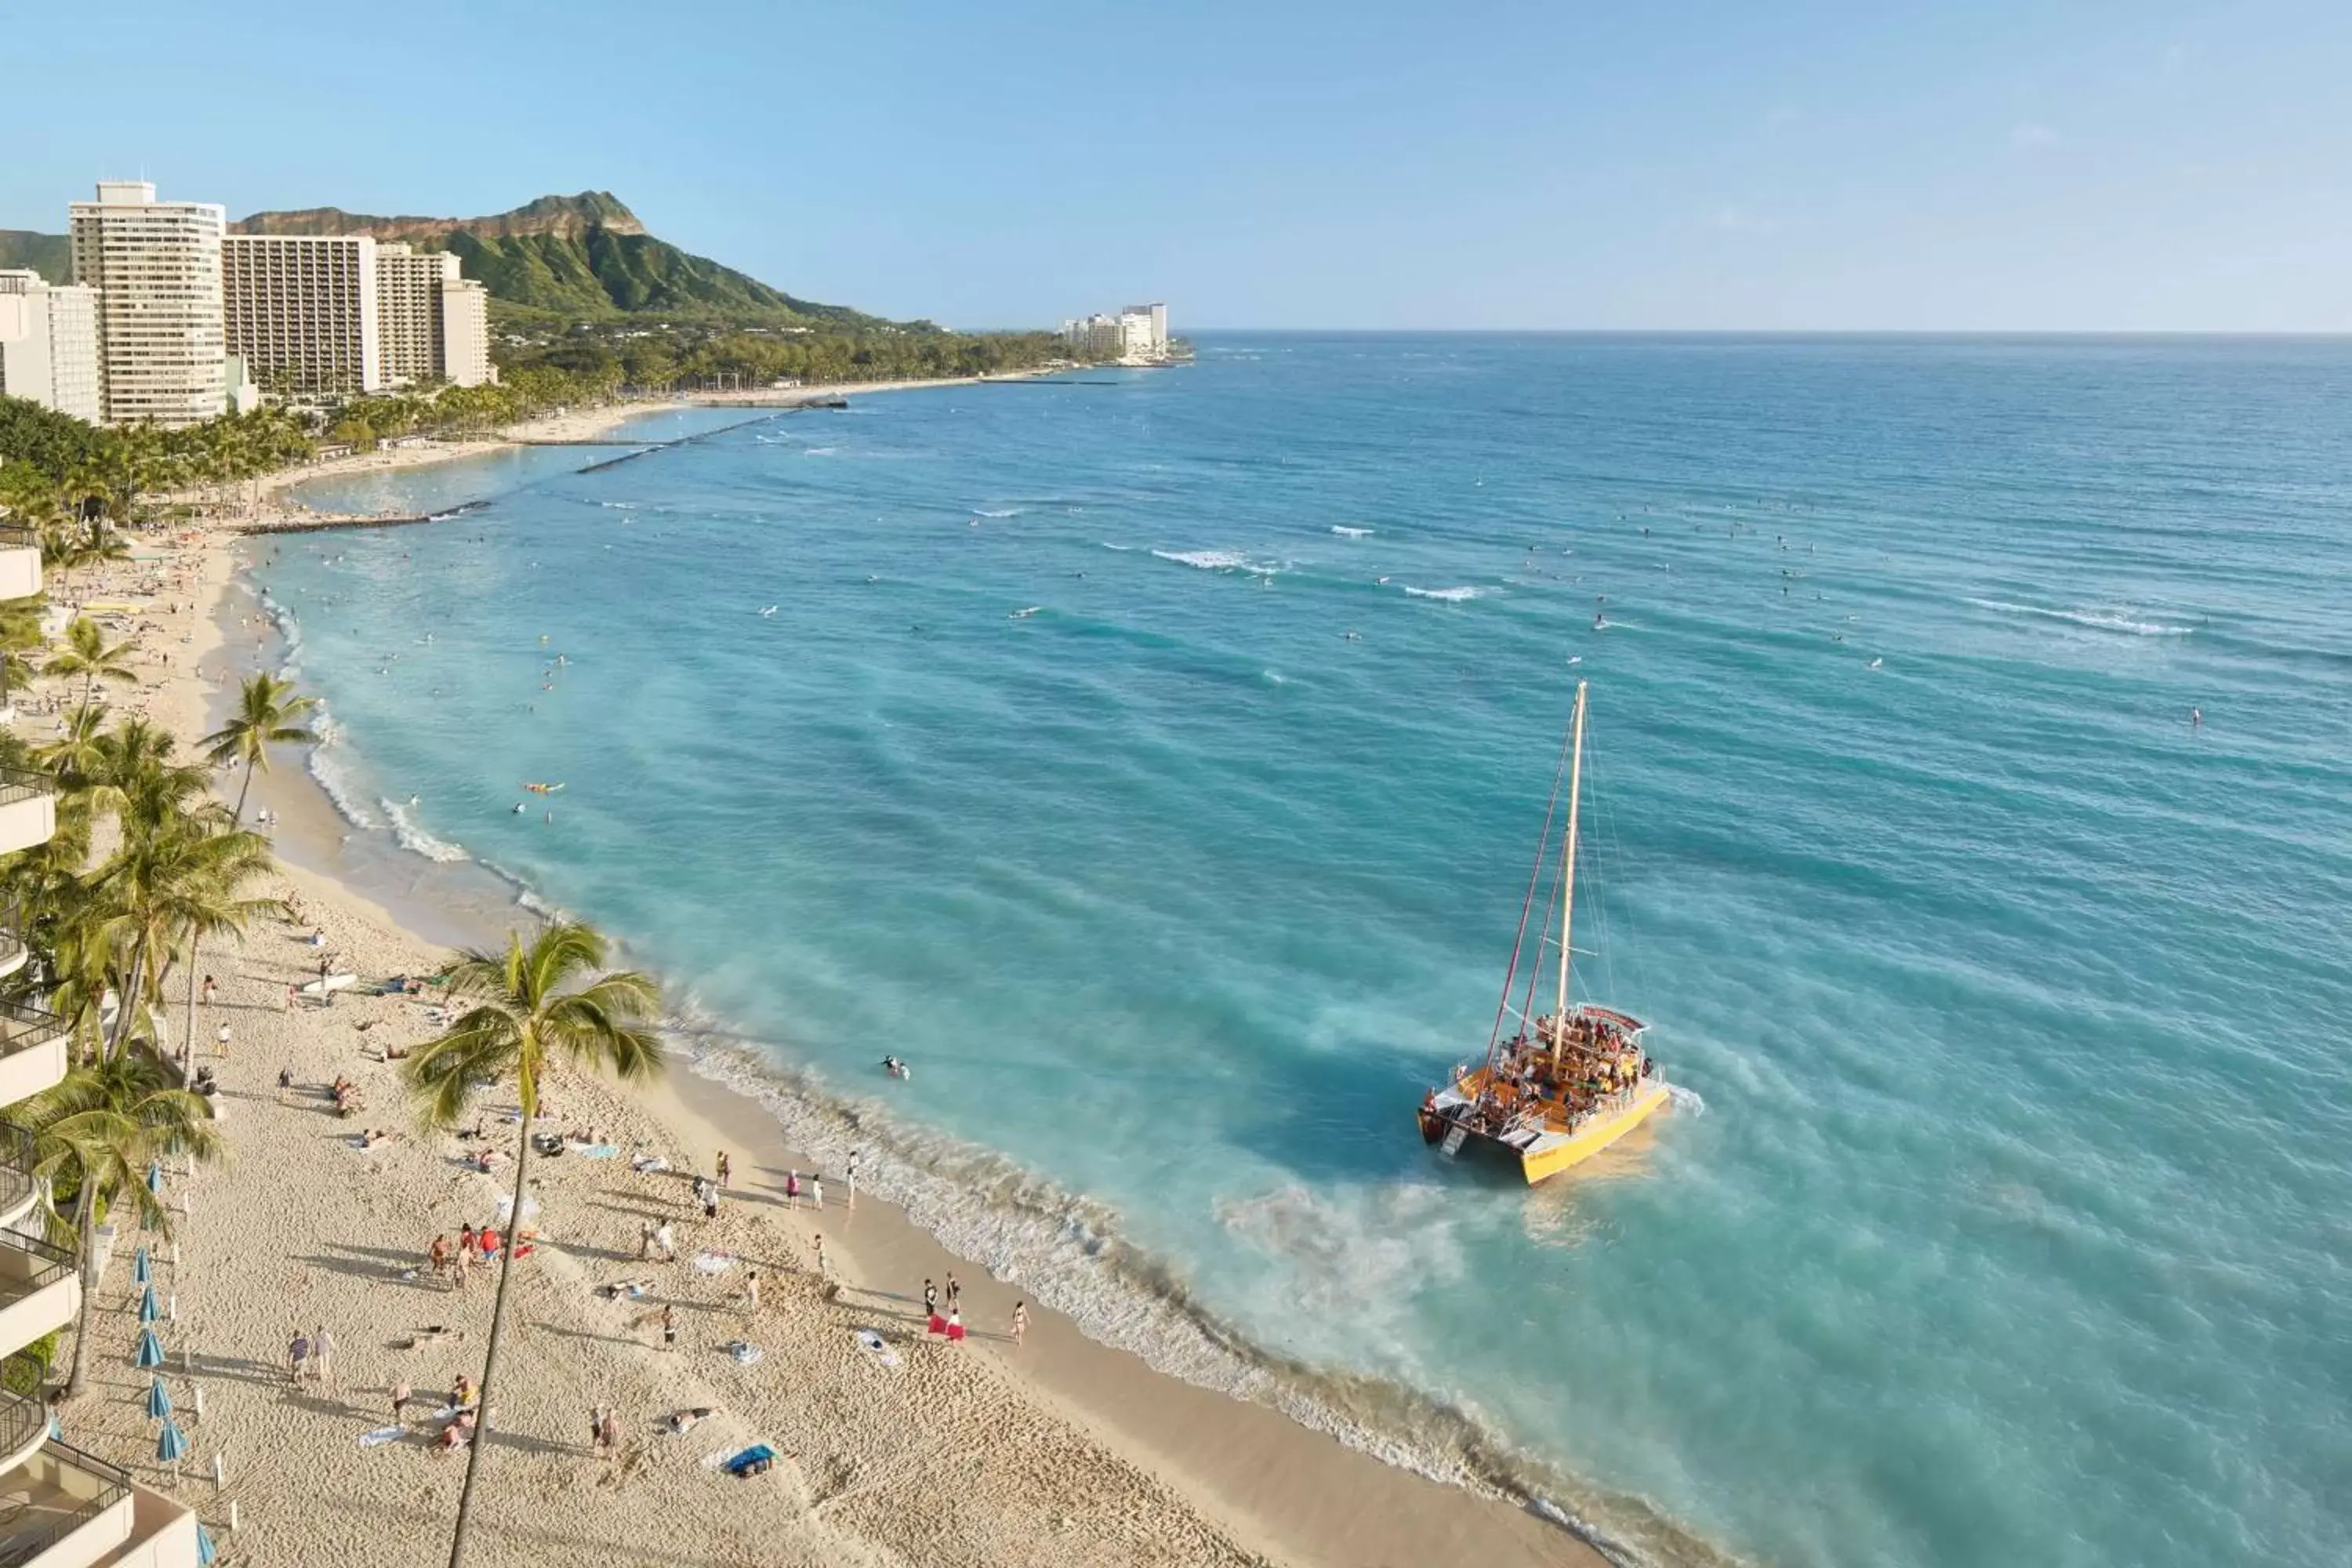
x=20 y=1189
x=63 y=1509
x=40 y=1291
x=20 y=565
x=34 y=1046
x=28 y=800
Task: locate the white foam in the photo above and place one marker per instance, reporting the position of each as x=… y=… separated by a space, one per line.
x=1450 y=596
x=1122 y=549
x=1685 y=1102
x=820 y=451
x=1217 y=561
x=326 y=766
x=1346 y=533
x=415 y=840
x=1008 y=511
x=2104 y=620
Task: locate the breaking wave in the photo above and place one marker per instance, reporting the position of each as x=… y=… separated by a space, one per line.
x=326 y=765
x=1450 y=596
x=415 y=840
x=1346 y=533
x=1218 y=561
x=2104 y=620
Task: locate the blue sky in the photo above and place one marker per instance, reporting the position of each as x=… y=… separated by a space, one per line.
x=1809 y=164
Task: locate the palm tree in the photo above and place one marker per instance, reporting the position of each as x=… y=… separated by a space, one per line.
x=266 y=713
x=86 y=653
x=531 y=1007
x=97 y=1131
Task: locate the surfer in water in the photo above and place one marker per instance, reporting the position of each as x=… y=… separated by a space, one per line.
x=896 y=1068
x=2196 y=718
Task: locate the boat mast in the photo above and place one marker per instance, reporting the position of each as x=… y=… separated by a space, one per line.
x=1567 y=894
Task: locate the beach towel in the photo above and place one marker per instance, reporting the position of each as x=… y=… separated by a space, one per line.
x=874 y=1344
x=595 y=1151
x=748 y=1354
x=748 y=1457
x=646 y=1163
x=381 y=1436
x=938 y=1325
x=714 y=1261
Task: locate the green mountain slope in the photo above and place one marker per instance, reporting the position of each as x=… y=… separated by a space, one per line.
x=50 y=255
x=583 y=257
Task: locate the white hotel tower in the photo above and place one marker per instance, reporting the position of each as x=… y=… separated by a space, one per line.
x=157 y=269
x=59 y=1508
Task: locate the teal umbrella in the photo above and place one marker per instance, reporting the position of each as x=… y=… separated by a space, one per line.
x=206 y=1552
x=142 y=1270
x=151 y=1349
x=171 y=1446
x=148 y=1311
x=159 y=1399
x=154 y=1175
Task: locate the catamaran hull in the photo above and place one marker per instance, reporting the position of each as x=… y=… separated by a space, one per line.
x=1537 y=1164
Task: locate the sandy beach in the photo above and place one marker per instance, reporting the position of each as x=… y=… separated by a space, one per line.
x=1053 y=1450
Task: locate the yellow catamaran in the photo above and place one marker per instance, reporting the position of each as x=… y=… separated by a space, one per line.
x=1564 y=1086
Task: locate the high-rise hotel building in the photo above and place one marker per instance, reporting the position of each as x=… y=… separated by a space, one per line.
x=435 y=322
x=156 y=267
x=301 y=312
x=49 y=344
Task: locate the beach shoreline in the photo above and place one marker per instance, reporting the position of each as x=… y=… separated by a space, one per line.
x=1262 y=1485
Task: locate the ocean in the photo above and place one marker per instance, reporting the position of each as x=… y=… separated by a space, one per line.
x=1155 y=760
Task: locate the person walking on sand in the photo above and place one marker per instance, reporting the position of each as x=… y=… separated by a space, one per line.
x=663 y=1238
x=751 y=1288
x=401 y=1394
x=817 y=1192
x=596 y=1431
x=437 y=1257
x=930 y=1300
x=322 y=1353
x=822 y=1272
x=853 y=1181
x=669 y=1326
x=222 y=1038
x=725 y=1169
x=1020 y=1321
x=204 y=998
x=955 y=1293
x=296 y=1354
x=290 y=997
x=608 y=1432
x=792 y=1189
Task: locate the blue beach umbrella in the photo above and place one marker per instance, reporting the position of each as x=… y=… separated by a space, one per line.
x=159 y=1400
x=171 y=1446
x=142 y=1271
x=148 y=1311
x=154 y=1175
x=151 y=1349
x=206 y=1552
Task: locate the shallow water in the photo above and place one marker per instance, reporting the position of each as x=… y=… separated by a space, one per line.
x=2003 y=1221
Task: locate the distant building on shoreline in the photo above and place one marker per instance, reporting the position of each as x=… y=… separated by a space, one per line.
x=156 y=267
x=342 y=315
x=48 y=345
x=301 y=312
x=1137 y=335
x=436 y=324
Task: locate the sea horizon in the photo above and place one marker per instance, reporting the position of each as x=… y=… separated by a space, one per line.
x=1301 y=846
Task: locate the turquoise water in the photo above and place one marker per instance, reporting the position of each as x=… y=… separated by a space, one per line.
x=2004 y=1217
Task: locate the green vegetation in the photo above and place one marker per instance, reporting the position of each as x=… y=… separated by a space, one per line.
x=50 y=255
x=94 y=1135
x=120 y=925
x=669 y=356
x=527 y=1010
x=268 y=714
